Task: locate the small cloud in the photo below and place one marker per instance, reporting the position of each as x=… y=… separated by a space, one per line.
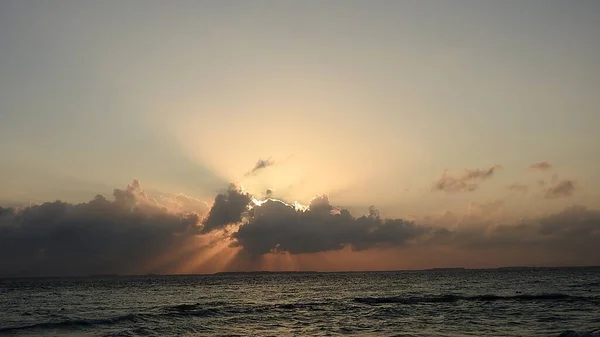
x=480 y=173
x=448 y=183
x=260 y=164
x=519 y=188
x=541 y=166
x=563 y=188
x=467 y=182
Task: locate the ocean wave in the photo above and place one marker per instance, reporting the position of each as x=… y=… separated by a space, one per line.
x=585 y=285
x=571 y=333
x=172 y=311
x=302 y=305
x=191 y=310
x=484 y=298
x=76 y=323
x=183 y=307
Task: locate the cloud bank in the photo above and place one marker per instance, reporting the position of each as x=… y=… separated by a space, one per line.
x=100 y=236
x=572 y=233
x=120 y=235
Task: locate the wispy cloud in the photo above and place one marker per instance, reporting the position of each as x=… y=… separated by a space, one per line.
x=467 y=182
x=519 y=188
x=260 y=165
x=541 y=166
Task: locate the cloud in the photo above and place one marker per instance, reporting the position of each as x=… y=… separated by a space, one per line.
x=260 y=164
x=275 y=226
x=480 y=173
x=519 y=188
x=562 y=188
x=541 y=166
x=571 y=235
x=467 y=182
x=100 y=236
x=574 y=221
x=227 y=209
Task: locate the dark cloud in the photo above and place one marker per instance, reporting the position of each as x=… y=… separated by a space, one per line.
x=574 y=221
x=227 y=209
x=467 y=182
x=278 y=227
x=541 y=166
x=572 y=234
x=260 y=164
x=100 y=236
x=519 y=188
x=562 y=188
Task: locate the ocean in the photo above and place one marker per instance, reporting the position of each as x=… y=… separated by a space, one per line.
x=453 y=302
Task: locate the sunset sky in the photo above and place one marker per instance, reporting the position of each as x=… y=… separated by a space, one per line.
x=476 y=122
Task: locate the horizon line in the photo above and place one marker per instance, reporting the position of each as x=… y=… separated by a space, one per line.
x=221 y=273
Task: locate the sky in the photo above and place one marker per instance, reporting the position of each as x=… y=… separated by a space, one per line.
x=476 y=119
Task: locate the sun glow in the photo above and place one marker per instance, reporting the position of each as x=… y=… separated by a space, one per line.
x=215 y=258
x=211 y=252
x=279 y=262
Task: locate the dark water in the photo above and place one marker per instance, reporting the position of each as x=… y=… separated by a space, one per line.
x=528 y=302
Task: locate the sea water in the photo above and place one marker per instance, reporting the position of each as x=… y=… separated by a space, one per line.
x=500 y=302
